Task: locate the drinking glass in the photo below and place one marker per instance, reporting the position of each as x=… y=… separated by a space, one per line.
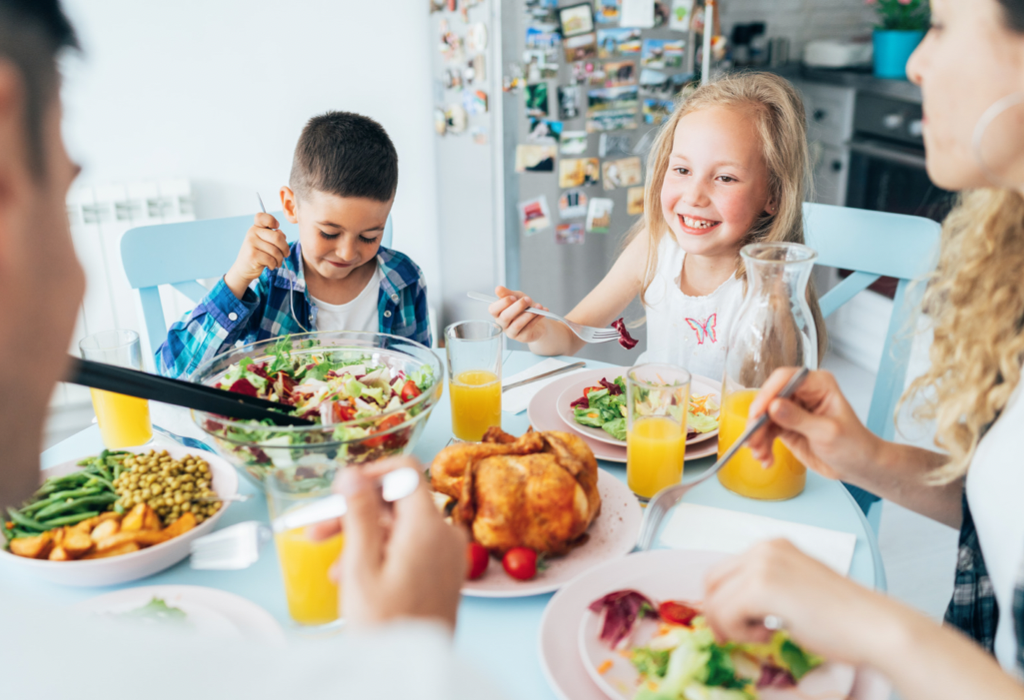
x=123 y=420
x=657 y=396
x=474 y=377
x=314 y=601
x=773 y=328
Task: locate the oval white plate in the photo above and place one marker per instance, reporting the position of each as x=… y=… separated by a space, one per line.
x=209 y=611
x=145 y=562
x=699 y=385
x=544 y=415
x=677 y=577
x=612 y=535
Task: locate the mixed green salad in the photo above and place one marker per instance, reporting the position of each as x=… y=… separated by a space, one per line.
x=363 y=399
x=604 y=406
x=684 y=662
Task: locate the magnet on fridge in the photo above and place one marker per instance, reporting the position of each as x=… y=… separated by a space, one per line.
x=599 y=215
x=635 y=201
x=571 y=234
x=456 y=118
x=479 y=134
x=440 y=122
x=534 y=215
x=476 y=37
x=572 y=204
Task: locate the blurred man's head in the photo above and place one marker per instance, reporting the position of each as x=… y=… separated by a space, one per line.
x=41 y=282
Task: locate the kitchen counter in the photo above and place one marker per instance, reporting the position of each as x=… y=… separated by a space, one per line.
x=862 y=80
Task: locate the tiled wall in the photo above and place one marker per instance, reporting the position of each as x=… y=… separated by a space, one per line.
x=801 y=20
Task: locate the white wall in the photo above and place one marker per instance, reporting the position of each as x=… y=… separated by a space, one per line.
x=217 y=91
x=802 y=20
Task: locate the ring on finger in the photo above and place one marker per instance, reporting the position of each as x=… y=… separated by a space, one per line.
x=774 y=623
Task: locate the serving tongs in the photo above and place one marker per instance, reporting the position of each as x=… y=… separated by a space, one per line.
x=665 y=499
x=131 y=382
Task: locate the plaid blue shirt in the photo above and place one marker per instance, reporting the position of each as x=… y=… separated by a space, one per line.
x=279 y=304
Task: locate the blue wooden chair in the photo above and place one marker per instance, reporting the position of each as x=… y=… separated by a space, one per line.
x=876 y=244
x=181 y=253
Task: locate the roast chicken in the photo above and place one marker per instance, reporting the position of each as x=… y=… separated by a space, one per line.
x=537 y=491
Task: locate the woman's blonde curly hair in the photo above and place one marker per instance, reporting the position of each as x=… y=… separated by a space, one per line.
x=975 y=298
x=778 y=112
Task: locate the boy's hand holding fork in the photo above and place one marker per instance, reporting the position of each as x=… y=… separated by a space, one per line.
x=264 y=246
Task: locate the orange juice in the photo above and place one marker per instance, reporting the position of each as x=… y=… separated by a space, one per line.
x=744 y=474
x=476 y=404
x=123 y=420
x=312 y=596
x=655 y=450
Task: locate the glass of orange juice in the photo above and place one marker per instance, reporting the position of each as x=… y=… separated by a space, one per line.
x=314 y=600
x=123 y=420
x=656 y=399
x=474 y=377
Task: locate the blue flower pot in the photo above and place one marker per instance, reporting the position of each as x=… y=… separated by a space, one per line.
x=892 y=51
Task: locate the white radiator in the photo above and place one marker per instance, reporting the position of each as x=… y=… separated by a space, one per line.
x=99 y=216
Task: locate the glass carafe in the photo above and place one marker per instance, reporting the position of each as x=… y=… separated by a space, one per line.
x=773 y=328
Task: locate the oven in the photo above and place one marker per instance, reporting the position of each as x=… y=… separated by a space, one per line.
x=887 y=165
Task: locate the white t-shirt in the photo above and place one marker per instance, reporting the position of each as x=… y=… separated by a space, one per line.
x=689 y=332
x=995 y=484
x=360 y=314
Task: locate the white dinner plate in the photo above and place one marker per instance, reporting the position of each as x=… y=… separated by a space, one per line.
x=676 y=576
x=674 y=573
x=572 y=391
x=543 y=415
x=612 y=535
x=208 y=611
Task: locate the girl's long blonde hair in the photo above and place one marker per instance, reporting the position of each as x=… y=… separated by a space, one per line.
x=975 y=298
x=779 y=113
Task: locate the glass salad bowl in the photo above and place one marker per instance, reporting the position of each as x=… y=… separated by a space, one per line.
x=369 y=394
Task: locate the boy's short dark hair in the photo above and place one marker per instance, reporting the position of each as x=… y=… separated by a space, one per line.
x=32 y=33
x=345 y=154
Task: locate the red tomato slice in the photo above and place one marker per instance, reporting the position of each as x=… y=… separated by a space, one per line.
x=409 y=391
x=520 y=563
x=477 y=559
x=384 y=425
x=677 y=613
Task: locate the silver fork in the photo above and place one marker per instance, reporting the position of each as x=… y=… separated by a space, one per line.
x=588 y=334
x=665 y=499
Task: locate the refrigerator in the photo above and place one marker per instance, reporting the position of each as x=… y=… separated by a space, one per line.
x=494 y=229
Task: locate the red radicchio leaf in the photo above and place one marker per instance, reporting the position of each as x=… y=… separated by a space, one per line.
x=260 y=370
x=613 y=388
x=243 y=386
x=581 y=402
x=775 y=677
x=621 y=612
x=625 y=339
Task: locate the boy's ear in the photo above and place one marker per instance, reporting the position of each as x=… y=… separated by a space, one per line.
x=290 y=204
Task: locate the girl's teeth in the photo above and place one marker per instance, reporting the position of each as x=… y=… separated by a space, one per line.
x=694 y=223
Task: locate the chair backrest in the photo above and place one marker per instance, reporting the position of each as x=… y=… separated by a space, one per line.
x=181 y=253
x=876 y=244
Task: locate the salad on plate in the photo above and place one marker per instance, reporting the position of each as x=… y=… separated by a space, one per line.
x=604 y=406
x=682 y=660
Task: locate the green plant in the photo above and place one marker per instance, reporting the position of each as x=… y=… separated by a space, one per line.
x=904 y=15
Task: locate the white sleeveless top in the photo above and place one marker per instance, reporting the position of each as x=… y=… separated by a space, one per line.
x=995 y=483
x=689 y=332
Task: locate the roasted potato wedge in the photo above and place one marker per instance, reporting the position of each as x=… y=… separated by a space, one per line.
x=134 y=518
x=186 y=522
x=124 y=548
x=37 y=547
x=59 y=554
x=105 y=530
x=150 y=520
x=76 y=544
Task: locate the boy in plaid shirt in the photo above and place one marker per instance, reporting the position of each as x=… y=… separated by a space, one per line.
x=337 y=276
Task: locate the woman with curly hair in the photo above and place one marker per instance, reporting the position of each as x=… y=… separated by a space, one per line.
x=971 y=71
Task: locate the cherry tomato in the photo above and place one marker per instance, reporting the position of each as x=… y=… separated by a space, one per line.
x=677 y=613
x=343 y=412
x=477 y=558
x=409 y=391
x=586 y=392
x=520 y=563
x=384 y=425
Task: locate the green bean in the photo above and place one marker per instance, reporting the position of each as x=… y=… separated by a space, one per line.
x=57 y=508
x=60 y=496
x=26 y=521
x=71 y=519
x=60 y=482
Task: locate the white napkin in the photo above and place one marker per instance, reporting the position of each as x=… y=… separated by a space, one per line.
x=701 y=527
x=516 y=400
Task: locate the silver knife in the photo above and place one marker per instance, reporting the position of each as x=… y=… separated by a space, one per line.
x=545 y=375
